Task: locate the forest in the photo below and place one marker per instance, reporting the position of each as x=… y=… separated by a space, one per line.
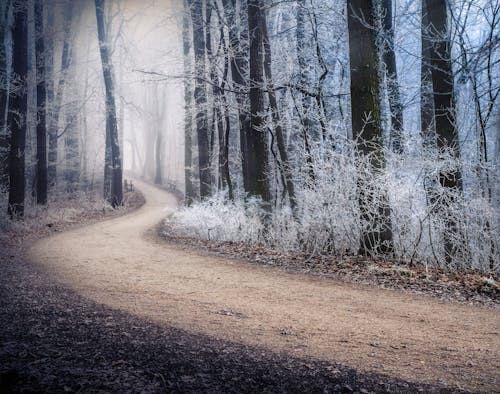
x=316 y=134
x=351 y=128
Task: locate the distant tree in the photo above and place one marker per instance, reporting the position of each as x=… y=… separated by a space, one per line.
x=366 y=120
x=113 y=158
x=18 y=106
x=41 y=128
x=55 y=92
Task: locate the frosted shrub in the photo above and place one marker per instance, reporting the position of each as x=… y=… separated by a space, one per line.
x=431 y=224
x=221 y=219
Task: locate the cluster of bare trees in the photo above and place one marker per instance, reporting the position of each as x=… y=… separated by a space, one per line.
x=52 y=83
x=268 y=128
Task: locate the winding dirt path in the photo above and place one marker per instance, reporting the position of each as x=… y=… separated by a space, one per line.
x=414 y=338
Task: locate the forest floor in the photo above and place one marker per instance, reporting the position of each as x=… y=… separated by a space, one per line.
x=112 y=307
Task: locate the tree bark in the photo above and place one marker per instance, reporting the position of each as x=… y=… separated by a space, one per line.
x=366 y=121
x=41 y=128
x=257 y=140
x=435 y=26
x=188 y=117
x=200 y=98
x=56 y=97
x=17 y=109
x=238 y=48
x=4 y=93
x=395 y=105
x=112 y=137
x=275 y=115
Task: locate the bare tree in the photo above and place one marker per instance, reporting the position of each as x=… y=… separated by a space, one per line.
x=200 y=97
x=257 y=140
x=366 y=120
x=113 y=162
x=41 y=129
x=18 y=107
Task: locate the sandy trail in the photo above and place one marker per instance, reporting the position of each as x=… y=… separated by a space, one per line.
x=414 y=338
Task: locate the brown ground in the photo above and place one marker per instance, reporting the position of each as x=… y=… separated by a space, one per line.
x=414 y=338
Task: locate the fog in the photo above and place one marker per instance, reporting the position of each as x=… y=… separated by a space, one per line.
x=146 y=45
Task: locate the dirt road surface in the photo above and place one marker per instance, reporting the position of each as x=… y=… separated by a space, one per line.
x=120 y=264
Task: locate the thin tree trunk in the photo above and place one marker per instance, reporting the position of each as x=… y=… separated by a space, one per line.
x=395 y=105
x=4 y=93
x=426 y=100
x=238 y=48
x=275 y=115
x=18 y=109
x=116 y=197
x=188 y=117
x=57 y=100
x=41 y=129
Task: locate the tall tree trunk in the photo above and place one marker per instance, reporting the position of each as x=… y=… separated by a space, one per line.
x=428 y=125
x=56 y=97
x=188 y=117
x=275 y=115
x=238 y=48
x=435 y=13
x=18 y=108
x=442 y=83
x=4 y=93
x=71 y=148
x=200 y=97
x=305 y=104
x=41 y=129
x=257 y=140
x=395 y=105
x=116 y=196
x=224 y=124
x=366 y=122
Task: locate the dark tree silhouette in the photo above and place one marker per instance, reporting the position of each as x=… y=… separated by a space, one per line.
x=257 y=140
x=366 y=118
x=113 y=160
x=18 y=107
x=41 y=128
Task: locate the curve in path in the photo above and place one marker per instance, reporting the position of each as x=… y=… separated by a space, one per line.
x=414 y=338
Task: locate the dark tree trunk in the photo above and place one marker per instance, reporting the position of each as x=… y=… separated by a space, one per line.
x=56 y=97
x=435 y=27
x=17 y=109
x=275 y=115
x=41 y=129
x=442 y=83
x=200 y=97
x=71 y=148
x=4 y=94
x=395 y=105
x=426 y=98
x=257 y=140
x=365 y=104
x=224 y=124
x=112 y=138
x=188 y=117
x=238 y=49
